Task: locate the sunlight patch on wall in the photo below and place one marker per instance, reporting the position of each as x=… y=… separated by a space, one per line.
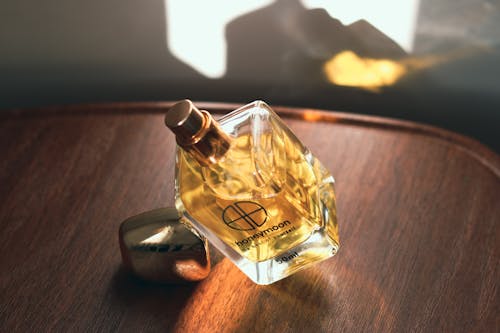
x=196 y=31
x=348 y=69
x=397 y=19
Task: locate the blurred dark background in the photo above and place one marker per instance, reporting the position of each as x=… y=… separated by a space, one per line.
x=446 y=74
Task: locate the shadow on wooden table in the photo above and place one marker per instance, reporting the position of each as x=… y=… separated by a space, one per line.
x=148 y=305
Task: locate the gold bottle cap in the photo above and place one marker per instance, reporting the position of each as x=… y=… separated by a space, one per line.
x=197 y=132
x=156 y=246
x=185 y=120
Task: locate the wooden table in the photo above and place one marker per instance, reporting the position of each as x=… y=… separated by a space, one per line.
x=419 y=213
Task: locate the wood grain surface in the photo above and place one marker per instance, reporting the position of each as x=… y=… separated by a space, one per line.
x=418 y=211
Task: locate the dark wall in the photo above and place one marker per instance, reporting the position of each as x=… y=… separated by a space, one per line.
x=61 y=52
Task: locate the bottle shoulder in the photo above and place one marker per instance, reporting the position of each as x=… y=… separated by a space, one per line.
x=264 y=156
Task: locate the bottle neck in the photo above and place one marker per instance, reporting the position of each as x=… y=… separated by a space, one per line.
x=197 y=132
x=209 y=144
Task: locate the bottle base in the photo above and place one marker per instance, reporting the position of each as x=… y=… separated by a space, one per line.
x=319 y=246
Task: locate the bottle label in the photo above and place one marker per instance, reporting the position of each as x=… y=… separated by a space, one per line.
x=250 y=216
x=244 y=215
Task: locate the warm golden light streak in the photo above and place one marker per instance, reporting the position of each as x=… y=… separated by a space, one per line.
x=311 y=116
x=348 y=69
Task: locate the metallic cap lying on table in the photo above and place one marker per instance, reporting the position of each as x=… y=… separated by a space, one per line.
x=156 y=246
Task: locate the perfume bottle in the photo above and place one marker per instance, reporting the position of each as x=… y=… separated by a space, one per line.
x=253 y=190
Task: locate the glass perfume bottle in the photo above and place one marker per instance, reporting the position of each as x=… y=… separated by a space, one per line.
x=253 y=190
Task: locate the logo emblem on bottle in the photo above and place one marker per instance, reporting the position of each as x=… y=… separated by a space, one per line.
x=244 y=215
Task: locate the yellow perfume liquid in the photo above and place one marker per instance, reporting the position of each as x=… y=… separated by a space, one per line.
x=263 y=200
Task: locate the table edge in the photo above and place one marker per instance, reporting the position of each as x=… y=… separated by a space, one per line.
x=472 y=147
